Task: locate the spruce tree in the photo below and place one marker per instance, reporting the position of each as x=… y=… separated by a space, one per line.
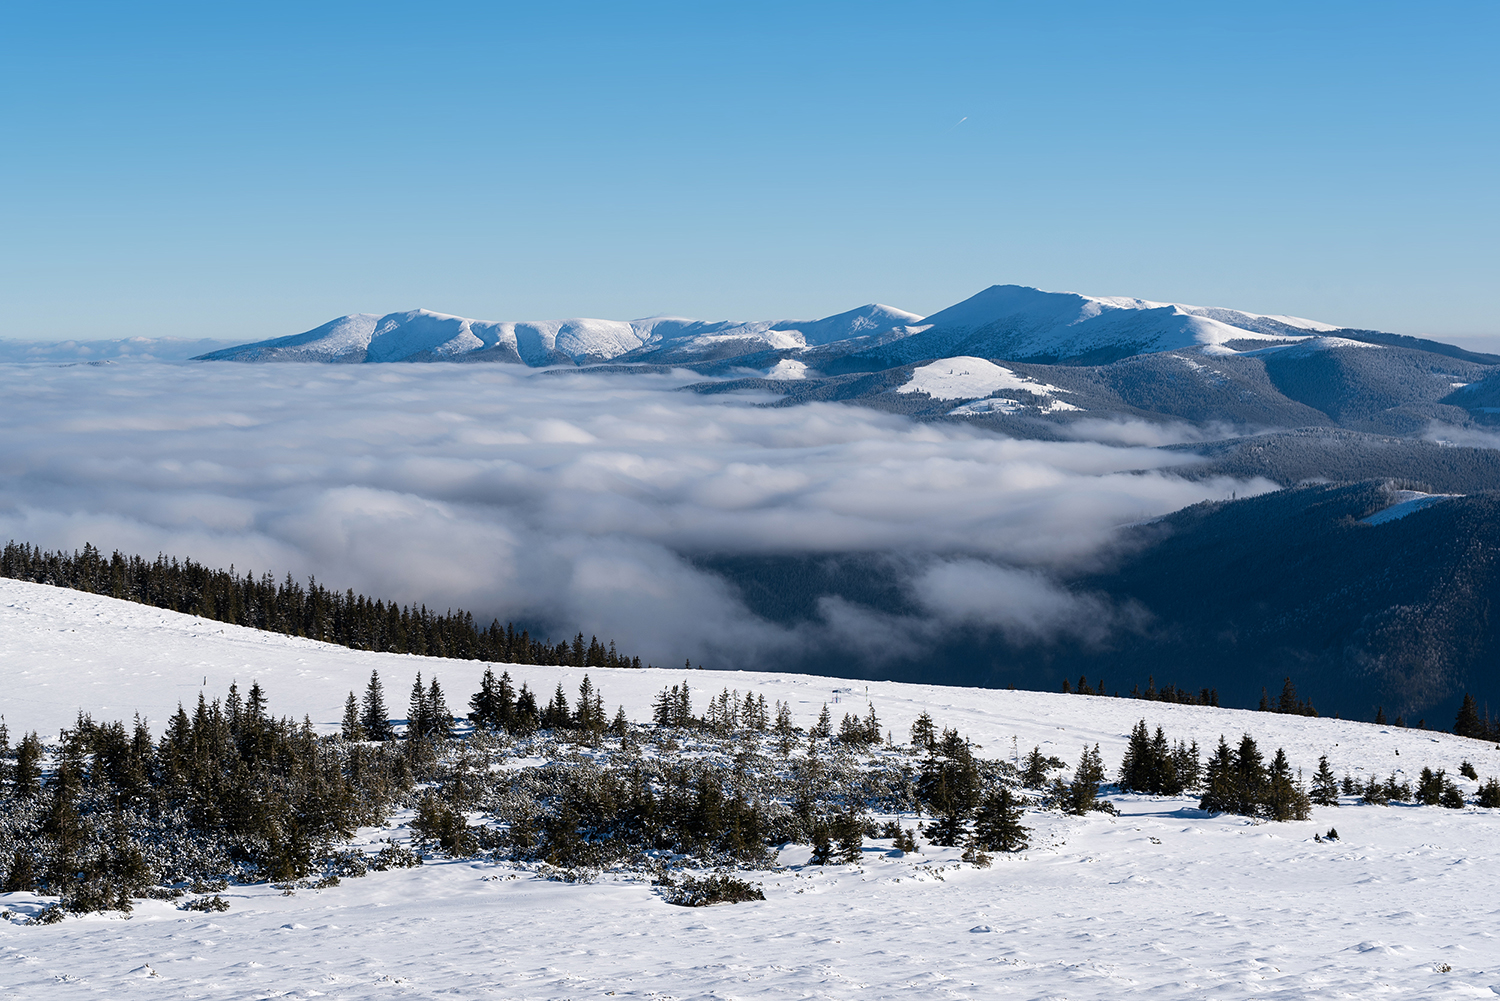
x=484 y=709
x=1250 y=777
x=923 y=732
x=1186 y=766
x=527 y=717
x=1221 y=792
x=352 y=729
x=998 y=826
x=1083 y=791
x=1288 y=703
x=439 y=716
x=374 y=716
x=418 y=712
x=1325 y=786
x=1468 y=723
x=28 y=774
x=1136 y=765
x=1163 y=780
x=825 y=723
x=1284 y=797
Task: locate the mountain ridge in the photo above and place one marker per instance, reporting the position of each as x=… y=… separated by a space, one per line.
x=1011 y=322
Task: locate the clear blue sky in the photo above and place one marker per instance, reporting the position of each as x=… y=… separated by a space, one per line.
x=250 y=170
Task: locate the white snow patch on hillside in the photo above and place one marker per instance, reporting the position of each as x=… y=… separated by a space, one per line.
x=967 y=378
x=1311 y=346
x=788 y=368
x=1407 y=502
x=1161 y=901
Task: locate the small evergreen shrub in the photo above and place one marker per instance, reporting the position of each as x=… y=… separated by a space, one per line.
x=395 y=857
x=206 y=904
x=703 y=891
x=49 y=915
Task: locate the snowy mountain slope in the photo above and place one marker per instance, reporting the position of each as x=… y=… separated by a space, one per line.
x=1161 y=900
x=1017 y=323
x=63 y=651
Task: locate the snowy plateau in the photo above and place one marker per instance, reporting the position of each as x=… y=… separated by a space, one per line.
x=1161 y=900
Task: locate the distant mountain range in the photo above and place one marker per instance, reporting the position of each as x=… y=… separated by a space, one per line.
x=1049 y=357
x=1004 y=321
x=1362 y=609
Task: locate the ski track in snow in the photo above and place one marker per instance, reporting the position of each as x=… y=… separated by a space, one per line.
x=1162 y=901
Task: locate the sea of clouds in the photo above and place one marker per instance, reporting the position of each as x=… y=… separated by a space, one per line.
x=575 y=501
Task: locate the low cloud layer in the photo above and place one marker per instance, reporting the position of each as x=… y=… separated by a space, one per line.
x=569 y=500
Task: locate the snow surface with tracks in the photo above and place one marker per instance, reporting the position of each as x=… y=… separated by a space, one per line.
x=1161 y=901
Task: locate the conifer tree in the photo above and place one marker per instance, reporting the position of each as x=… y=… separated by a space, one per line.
x=374 y=716
x=1285 y=798
x=1250 y=777
x=998 y=826
x=822 y=847
x=527 y=717
x=923 y=732
x=1083 y=791
x=1468 y=723
x=1035 y=767
x=1221 y=793
x=418 y=712
x=439 y=716
x=1288 y=702
x=1163 y=777
x=484 y=705
x=849 y=829
x=825 y=723
x=1325 y=786
x=28 y=774
x=352 y=729
x=557 y=715
x=1136 y=765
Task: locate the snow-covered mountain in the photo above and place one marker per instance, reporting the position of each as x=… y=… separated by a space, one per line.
x=1026 y=324
x=422 y=335
x=1002 y=322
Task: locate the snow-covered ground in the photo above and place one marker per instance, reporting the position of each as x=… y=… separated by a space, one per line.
x=965 y=378
x=1161 y=901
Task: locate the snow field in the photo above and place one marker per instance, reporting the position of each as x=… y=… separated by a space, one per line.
x=1161 y=900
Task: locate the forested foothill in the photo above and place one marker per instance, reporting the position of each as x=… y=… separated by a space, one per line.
x=711 y=789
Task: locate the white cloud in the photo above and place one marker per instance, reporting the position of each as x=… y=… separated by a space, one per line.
x=574 y=500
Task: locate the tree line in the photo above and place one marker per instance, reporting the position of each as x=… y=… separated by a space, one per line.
x=289 y=607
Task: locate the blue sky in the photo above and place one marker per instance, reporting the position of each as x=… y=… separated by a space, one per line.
x=246 y=171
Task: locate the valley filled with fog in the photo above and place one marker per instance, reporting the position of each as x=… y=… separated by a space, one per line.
x=579 y=500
